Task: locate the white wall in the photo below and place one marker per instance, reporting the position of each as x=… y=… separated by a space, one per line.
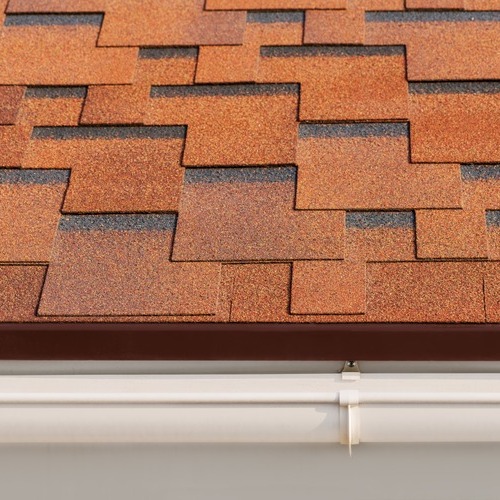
x=250 y=472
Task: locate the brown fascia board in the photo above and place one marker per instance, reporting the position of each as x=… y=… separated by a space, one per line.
x=249 y=341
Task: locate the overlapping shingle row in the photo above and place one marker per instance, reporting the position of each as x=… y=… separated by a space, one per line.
x=250 y=160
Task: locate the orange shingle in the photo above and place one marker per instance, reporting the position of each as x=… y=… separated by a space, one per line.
x=176 y=22
x=274 y=4
x=30 y=204
x=425 y=292
x=114 y=169
x=455 y=122
x=328 y=287
x=19 y=292
x=254 y=125
x=10 y=97
x=441 y=45
x=61 y=55
x=56 y=6
x=335 y=26
x=247 y=214
x=98 y=258
x=365 y=166
x=115 y=104
x=239 y=63
x=341 y=83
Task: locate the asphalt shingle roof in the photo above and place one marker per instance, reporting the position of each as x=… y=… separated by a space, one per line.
x=288 y=161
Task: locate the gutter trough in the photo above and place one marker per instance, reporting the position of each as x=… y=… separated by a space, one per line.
x=278 y=408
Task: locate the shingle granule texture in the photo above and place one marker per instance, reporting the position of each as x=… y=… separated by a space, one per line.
x=283 y=161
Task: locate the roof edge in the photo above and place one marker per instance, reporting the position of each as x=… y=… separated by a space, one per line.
x=250 y=341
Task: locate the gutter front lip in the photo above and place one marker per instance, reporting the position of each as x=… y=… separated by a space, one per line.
x=254 y=408
x=250 y=341
x=271 y=398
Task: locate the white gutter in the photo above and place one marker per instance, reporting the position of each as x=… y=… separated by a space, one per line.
x=298 y=408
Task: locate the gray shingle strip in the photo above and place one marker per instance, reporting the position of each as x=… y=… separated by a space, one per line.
x=237 y=174
x=353 y=129
x=33 y=176
x=430 y=16
x=168 y=52
x=330 y=50
x=476 y=87
x=493 y=217
x=275 y=16
x=375 y=219
x=52 y=19
x=118 y=222
x=479 y=172
x=223 y=90
x=109 y=132
x=56 y=92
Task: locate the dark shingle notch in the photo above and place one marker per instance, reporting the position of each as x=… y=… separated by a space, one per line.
x=55 y=92
x=110 y=132
x=118 y=222
x=493 y=217
x=244 y=174
x=168 y=52
x=329 y=50
x=276 y=16
x=430 y=16
x=223 y=90
x=371 y=220
x=33 y=176
x=478 y=172
x=353 y=129
x=476 y=87
x=52 y=19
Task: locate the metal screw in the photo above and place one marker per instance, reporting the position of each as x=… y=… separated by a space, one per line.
x=351 y=364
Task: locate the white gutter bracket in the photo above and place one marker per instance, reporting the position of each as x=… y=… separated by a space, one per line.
x=350 y=371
